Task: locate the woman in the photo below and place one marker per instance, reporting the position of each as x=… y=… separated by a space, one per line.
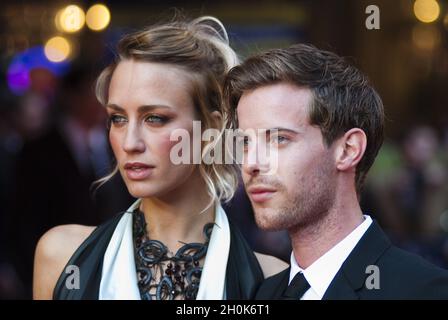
x=175 y=241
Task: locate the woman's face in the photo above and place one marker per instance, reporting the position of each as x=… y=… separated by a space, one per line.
x=147 y=101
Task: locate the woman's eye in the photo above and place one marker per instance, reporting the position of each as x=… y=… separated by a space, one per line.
x=156 y=119
x=117 y=119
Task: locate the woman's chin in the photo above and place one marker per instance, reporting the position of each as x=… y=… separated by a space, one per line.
x=142 y=191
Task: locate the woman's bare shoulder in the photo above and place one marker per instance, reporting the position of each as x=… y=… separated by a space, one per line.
x=53 y=251
x=270 y=264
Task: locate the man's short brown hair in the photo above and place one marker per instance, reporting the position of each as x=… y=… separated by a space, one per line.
x=342 y=96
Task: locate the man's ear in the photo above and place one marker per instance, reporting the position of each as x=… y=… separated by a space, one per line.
x=351 y=149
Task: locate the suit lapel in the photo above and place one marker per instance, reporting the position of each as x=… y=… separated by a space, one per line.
x=340 y=289
x=273 y=287
x=351 y=277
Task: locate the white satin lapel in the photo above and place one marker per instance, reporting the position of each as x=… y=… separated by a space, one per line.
x=119 y=275
x=213 y=277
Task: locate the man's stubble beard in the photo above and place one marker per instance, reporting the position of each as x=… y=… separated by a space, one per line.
x=304 y=206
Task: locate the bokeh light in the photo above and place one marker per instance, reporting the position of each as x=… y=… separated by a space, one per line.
x=57 y=49
x=426 y=10
x=98 y=17
x=426 y=37
x=445 y=21
x=23 y=63
x=70 y=19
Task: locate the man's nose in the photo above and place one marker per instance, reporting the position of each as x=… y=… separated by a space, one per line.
x=256 y=160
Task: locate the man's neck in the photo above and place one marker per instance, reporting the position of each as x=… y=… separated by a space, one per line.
x=312 y=241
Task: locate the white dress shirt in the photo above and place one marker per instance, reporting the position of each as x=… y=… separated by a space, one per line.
x=320 y=274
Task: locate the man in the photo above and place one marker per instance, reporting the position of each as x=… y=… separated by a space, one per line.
x=324 y=124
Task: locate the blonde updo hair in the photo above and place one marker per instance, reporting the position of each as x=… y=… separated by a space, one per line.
x=201 y=47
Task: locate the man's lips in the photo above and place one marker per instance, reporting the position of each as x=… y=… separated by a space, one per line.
x=138 y=170
x=260 y=193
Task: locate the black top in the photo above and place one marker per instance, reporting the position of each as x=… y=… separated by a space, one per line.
x=243 y=275
x=402 y=275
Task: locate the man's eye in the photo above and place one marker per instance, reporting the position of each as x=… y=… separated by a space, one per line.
x=279 y=139
x=243 y=140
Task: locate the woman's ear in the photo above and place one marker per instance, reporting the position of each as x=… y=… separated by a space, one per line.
x=216 y=115
x=353 y=145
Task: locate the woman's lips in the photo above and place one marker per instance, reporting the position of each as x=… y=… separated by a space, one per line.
x=137 y=170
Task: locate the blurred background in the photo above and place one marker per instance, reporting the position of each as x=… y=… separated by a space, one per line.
x=53 y=140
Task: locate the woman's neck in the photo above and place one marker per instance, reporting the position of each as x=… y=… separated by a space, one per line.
x=176 y=218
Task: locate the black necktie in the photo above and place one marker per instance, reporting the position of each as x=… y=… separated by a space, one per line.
x=296 y=288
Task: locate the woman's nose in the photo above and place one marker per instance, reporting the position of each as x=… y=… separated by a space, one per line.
x=133 y=141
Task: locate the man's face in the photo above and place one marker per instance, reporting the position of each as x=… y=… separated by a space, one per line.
x=301 y=190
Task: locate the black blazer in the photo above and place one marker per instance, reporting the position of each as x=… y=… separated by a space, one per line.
x=402 y=275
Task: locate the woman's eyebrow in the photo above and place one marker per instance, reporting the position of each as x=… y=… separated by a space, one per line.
x=141 y=109
x=114 y=107
x=146 y=108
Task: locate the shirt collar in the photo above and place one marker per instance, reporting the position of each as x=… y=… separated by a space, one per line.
x=320 y=274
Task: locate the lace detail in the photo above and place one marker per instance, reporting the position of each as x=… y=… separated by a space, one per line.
x=179 y=274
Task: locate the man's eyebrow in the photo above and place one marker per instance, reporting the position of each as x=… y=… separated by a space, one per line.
x=239 y=133
x=242 y=133
x=141 y=109
x=295 y=131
